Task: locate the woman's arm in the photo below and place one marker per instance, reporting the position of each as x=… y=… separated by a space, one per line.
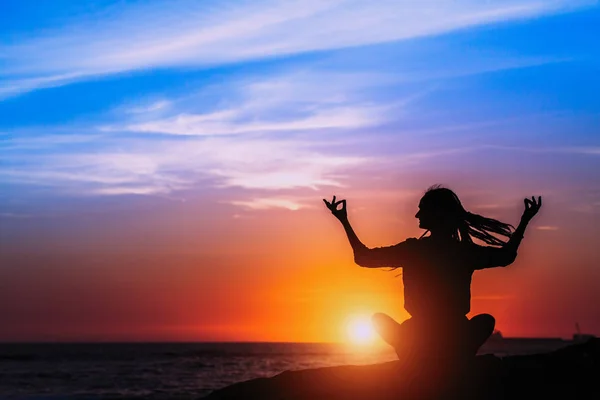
x=389 y=256
x=490 y=257
x=358 y=247
x=511 y=247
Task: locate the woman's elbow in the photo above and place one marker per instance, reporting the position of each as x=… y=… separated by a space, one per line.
x=364 y=259
x=361 y=261
x=508 y=258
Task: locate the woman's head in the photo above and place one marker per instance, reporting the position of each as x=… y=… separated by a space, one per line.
x=440 y=210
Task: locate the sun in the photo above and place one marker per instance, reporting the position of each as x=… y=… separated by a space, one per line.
x=360 y=330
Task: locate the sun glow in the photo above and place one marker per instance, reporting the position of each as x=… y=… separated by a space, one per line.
x=360 y=330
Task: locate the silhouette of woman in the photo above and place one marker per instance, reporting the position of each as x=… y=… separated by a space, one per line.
x=437 y=271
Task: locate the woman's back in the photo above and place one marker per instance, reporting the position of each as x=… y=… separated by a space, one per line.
x=437 y=279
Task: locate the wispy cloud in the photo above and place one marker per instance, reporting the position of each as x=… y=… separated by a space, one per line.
x=547 y=228
x=581 y=150
x=14 y=215
x=140 y=166
x=166 y=166
x=269 y=203
x=296 y=101
x=187 y=33
x=145 y=165
x=590 y=207
x=132 y=189
x=11 y=85
x=233 y=122
x=27 y=140
x=241 y=138
x=148 y=108
x=298 y=129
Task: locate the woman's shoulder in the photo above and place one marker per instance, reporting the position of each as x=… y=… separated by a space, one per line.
x=418 y=244
x=408 y=242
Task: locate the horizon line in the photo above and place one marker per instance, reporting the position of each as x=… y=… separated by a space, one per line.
x=3 y=342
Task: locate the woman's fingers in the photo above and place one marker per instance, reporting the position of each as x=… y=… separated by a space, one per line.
x=333 y=205
x=536 y=203
x=330 y=206
x=533 y=205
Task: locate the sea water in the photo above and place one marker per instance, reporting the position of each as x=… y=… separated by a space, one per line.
x=165 y=370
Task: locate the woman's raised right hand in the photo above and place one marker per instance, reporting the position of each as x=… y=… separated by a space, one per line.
x=531 y=208
x=333 y=207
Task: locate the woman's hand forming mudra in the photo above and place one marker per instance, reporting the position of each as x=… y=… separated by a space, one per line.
x=531 y=208
x=333 y=207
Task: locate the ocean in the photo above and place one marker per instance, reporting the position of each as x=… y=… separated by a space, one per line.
x=46 y=371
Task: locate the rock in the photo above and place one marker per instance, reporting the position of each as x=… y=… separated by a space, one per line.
x=570 y=373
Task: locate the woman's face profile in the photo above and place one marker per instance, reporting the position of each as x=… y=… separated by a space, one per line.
x=432 y=214
x=426 y=214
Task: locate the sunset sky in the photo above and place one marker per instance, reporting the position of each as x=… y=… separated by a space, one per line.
x=163 y=164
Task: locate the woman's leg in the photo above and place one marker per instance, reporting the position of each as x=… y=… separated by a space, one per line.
x=481 y=327
x=405 y=338
x=387 y=328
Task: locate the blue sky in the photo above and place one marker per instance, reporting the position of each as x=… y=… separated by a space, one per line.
x=135 y=128
x=132 y=97
x=155 y=98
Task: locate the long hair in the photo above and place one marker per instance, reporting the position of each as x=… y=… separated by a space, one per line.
x=467 y=224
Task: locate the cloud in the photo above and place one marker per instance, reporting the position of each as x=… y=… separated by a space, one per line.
x=140 y=36
x=113 y=164
x=232 y=122
x=241 y=137
x=299 y=129
x=269 y=203
x=590 y=150
x=591 y=207
x=14 y=215
x=140 y=166
x=148 y=108
x=11 y=85
x=547 y=228
x=583 y=150
x=167 y=166
x=28 y=140
x=291 y=101
x=139 y=190
x=580 y=150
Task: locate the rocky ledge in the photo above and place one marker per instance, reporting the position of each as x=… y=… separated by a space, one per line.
x=572 y=372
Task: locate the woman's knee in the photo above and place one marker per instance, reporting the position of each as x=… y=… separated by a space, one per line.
x=483 y=324
x=385 y=325
x=381 y=319
x=484 y=319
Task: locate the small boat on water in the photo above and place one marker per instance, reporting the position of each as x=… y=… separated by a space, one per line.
x=501 y=345
x=579 y=337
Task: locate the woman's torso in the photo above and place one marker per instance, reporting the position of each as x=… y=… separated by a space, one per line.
x=437 y=281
